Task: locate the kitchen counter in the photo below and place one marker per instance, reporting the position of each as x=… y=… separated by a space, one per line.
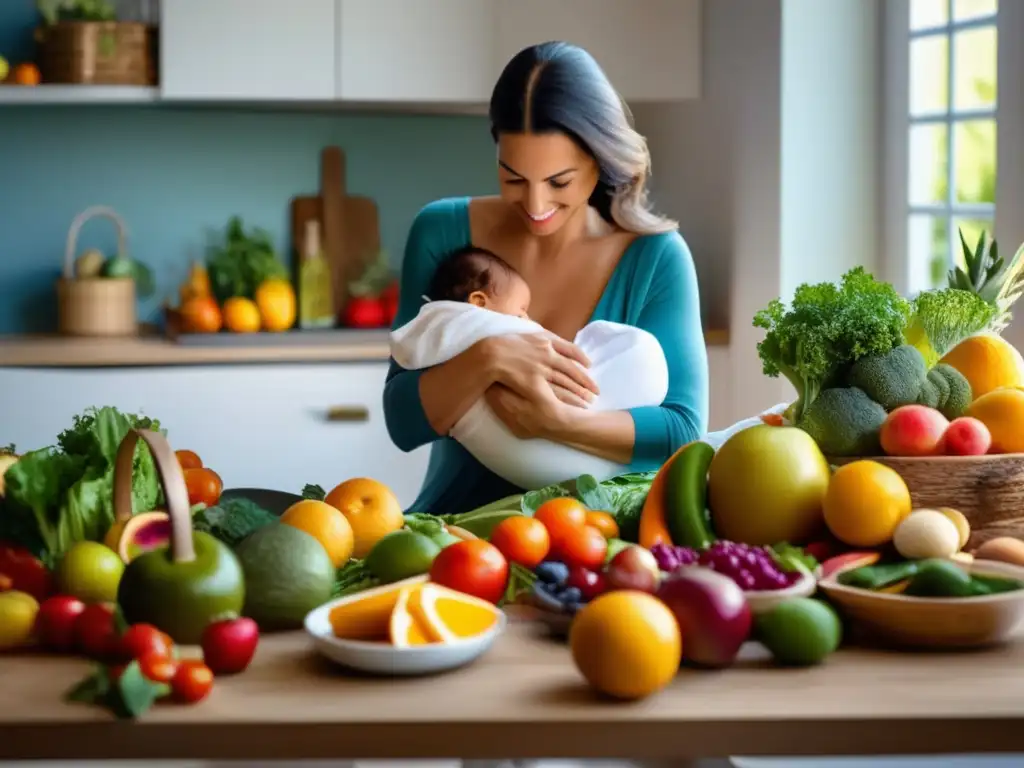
x=48 y=351
x=524 y=699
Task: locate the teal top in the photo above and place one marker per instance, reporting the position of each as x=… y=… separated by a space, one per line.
x=654 y=287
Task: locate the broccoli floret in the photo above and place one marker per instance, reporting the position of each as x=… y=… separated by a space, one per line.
x=930 y=394
x=892 y=379
x=844 y=422
x=939 y=381
x=232 y=520
x=960 y=394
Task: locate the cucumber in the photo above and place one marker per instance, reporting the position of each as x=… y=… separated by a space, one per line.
x=686 y=497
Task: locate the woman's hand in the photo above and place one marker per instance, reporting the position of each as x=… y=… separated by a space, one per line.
x=538 y=414
x=523 y=360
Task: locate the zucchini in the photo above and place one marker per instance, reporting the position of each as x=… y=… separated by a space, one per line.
x=686 y=489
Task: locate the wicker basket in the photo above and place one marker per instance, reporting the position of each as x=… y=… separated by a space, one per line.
x=989 y=490
x=96 y=306
x=97 y=53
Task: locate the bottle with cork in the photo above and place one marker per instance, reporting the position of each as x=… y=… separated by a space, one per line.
x=316 y=302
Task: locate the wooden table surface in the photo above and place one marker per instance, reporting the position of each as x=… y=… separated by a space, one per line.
x=525 y=699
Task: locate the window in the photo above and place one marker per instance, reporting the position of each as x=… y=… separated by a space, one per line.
x=951 y=146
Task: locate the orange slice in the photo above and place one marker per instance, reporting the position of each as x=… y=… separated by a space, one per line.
x=447 y=615
x=367 y=615
x=406 y=629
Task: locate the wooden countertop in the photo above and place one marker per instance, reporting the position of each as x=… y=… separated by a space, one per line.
x=525 y=699
x=47 y=351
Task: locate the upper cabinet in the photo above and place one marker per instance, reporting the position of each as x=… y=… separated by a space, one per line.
x=650 y=49
x=248 y=50
x=416 y=50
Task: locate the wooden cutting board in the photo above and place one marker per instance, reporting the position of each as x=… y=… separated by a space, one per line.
x=350 y=225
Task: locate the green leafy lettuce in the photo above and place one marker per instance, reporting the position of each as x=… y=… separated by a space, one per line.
x=944 y=317
x=63 y=494
x=825 y=329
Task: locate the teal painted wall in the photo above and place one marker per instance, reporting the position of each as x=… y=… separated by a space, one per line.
x=177 y=174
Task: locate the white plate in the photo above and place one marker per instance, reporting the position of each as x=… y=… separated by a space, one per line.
x=385 y=659
x=765 y=600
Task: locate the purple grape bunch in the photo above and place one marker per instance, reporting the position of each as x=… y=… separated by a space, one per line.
x=753 y=568
x=671 y=558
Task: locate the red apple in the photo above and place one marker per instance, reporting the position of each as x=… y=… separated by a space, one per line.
x=633 y=568
x=713 y=614
x=966 y=436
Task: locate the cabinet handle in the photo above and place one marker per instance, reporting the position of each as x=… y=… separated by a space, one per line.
x=348 y=413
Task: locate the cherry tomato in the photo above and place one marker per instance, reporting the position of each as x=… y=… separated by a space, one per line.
x=561 y=516
x=474 y=567
x=204 y=486
x=189 y=459
x=522 y=540
x=55 y=622
x=192 y=681
x=604 y=522
x=140 y=639
x=229 y=645
x=95 y=635
x=158 y=667
x=585 y=547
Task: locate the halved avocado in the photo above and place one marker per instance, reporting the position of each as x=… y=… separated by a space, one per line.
x=144 y=533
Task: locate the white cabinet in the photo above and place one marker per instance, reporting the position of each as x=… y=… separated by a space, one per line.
x=650 y=49
x=257 y=426
x=248 y=50
x=416 y=50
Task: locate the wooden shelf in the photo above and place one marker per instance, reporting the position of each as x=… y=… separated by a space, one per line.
x=56 y=95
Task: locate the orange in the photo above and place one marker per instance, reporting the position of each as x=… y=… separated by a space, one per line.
x=626 y=644
x=371 y=509
x=604 y=522
x=447 y=615
x=26 y=74
x=189 y=459
x=241 y=315
x=864 y=503
x=201 y=314
x=325 y=524
x=405 y=629
x=275 y=299
x=366 y=615
x=988 y=362
x=561 y=516
x=522 y=540
x=1002 y=411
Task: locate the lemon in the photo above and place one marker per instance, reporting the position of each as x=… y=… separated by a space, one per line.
x=17 y=618
x=864 y=503
x=91 y=572
x=325 y=524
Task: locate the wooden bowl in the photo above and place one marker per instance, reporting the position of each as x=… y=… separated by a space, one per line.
x=933 y=622
x=989 y=490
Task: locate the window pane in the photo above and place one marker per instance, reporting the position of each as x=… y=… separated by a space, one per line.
x=974 y=76
x=974 y=142
x=927 y=251
x=928 y=13
x=972 y=9
x=929 y=74
x=928 y=182
x=971 y=229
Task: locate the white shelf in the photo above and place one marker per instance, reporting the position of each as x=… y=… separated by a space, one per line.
x=26 y=95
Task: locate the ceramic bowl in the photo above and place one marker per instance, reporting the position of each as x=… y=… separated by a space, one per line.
x=385 y=659
x=764 y=600
x=933 y=622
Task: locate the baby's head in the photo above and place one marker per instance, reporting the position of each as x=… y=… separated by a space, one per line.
x=482 y=278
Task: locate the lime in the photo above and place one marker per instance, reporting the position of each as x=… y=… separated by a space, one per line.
x=91 y=572
x=400 y=555
x=800 y=632
x=17 y=618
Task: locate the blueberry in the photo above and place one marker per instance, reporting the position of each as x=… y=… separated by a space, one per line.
x=571 y=595
x=544 y=599
x=552 y=572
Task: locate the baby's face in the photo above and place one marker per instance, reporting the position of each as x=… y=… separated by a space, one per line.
x=513 y=299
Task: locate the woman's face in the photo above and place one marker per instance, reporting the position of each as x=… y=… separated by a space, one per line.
x=546 y=177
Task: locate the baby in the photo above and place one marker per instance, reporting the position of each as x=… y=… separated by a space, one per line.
x=483 y=279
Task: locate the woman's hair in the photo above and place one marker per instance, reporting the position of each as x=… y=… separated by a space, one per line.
x=559 y=87
x=467 y=270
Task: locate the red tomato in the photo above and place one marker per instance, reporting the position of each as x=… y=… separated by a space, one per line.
x=189 y=459
x=158 y=667
x=364 y=312
x=204 y=486
x=475 y=567
x=95 y=635
x=141 y=639
x=229 y=645
x=584 y=547
x=23 y=571
x=55 y=622
x=561 y=517
x=192 y=681
x=522 y=540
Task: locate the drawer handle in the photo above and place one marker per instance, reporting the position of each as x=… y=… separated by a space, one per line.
x=348 y=413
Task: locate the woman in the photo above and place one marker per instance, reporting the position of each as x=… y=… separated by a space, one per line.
x=573 y=218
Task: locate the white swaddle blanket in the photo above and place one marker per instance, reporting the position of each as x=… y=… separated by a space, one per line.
x=627 y=364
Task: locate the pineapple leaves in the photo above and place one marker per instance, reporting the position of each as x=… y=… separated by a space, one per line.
x=988 y=275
